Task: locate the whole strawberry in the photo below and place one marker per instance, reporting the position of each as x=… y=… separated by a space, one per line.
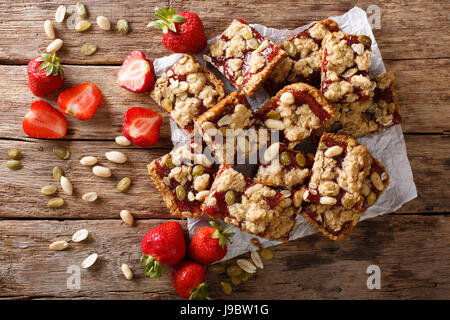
x=208 y=244
x=162 y=245
x=189 y=280
x=183 y=32
x=45 y=74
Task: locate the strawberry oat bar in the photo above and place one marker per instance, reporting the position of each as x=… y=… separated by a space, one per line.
x=295 y=111
x=340 y=168
x=336 y=222
x=184 y=177
x=244 y=56
x=304 y=61
x=345 y=67
x=186 y=90
x=251 y=206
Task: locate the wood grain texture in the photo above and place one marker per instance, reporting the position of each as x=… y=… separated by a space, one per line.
x=322 y=269
x=409 y=30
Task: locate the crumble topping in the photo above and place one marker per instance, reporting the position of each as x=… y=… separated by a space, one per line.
x=186 y=90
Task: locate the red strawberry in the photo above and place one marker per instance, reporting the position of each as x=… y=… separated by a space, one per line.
x=141 y=126
x=136 y=73
x=45 y=74
x=209 y=244
x=162 y=245
x=44 y=121
x=183 y=32
x=189 y=280
x=81 y=101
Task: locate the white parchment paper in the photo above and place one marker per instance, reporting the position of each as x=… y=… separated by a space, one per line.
x=387 y=146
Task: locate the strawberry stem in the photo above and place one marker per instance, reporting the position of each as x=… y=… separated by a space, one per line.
x=200 y=293
x=153 y=267
x=221 y=234
x=167 y=19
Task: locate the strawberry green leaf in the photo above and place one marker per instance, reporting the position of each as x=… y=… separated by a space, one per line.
x=178 y=19
x=200 y=293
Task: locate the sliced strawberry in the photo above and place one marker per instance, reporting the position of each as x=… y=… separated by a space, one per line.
x=141 y=126
x=44 y=121
x=136 y=73
x=81 y=101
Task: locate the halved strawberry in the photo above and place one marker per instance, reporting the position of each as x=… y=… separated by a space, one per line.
x=44 y=121
x=136 y=73
x=81 y=101
x=141 y=126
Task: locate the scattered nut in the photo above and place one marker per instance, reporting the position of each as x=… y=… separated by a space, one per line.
x=236 y=280
x=376 y=181
x=333 y=151
x=127 y=217
x=14 y=154
x=122 y=26
x=271 y=152
x=234 y=270
x=89 y=48
x=246 y=265
x=61 y=153
x=66 y=186
x=226 y=287
x=266 y=254
x=83 y=25
x=127 y=272
x=88 y=161
x=328 y=200
x=49 y=190
x=90 y=196
x=80 y=235
x=257 y=259
x=55 y=203
x=57 y=173
x=124 y=184
x=103 y=23
x=216 y=268
x=101 y=171
x=123 y=141
x=89 y=261
x=55 y=46
x=14 y=164
x=49 y=30
x=274 y=124
x=116 y=157
x=81 y=9
x=59 y=245
x=60 y=14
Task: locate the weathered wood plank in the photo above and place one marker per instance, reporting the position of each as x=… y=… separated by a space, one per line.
x=423 y=85
x=411 y=251
x=20 y=190
x=22 y=26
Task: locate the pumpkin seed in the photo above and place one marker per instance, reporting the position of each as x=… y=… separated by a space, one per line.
x=14 y=154
x=55 y=203
x=14 y=164
x=103 y=23
x=285 y=158
x=234 y=270
x=60 y=14
x=89 y=48
x=245 y=276
x=81 y=9
x=122 y=26
x=58 y=245
x=124 y=184
x=272 y=114
x=127 y=217
x=83 y=25
x=167 y=105
x=181 y=192
x=89 y=261
x=230 y=197
x=80 y=235
x=126 y=271
x=57 y=173
x=300 y=158
x=290 y=48
x=197 y=170
x=248 y=35
x=61 y=153
x=236 y=280
x=49 y=190
x=246 y=265
x=226 y=287
x=216 y=268
x=66 y=186
x=169 y=163
x=365 y=40
x=123 y=141
x=371 y=198
x=266 y=254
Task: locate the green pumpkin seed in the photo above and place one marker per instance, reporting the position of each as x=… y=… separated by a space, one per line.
x=49 y=190
x=272 y=114
x=14 y=154
x=266 y=254
x=81 y=9
x=322 y=146
x=216 y=268
x=290 y=48
x=365 y=40
x=226 y=287
x=391 y=107
x=285 y=158
x=234 y=270
x=181 y=192
x=167 y=104
x=300 y=158
x=245 y=276
x=57 y=172
x=197 y=170
x=230 y=197
x=122 y=26
x=371 y=198
x=169 y=163
x=89 y=48
x=248 y=35
x=82 y=26
x=55 y=203
x=61 y=153
x=124 y=184
x=236 y=280
x=14 y=164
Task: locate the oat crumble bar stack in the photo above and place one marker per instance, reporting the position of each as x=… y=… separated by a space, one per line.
x=186 y=90
x=346 y=61
x=230 y=129
x=295 y=111
x=363 y=118
x=304 y=61
x=251 y=206
x=184 y=177
x=244 y=56
x=336 y=222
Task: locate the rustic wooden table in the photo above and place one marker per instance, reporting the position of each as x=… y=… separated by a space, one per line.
x=411 y=246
